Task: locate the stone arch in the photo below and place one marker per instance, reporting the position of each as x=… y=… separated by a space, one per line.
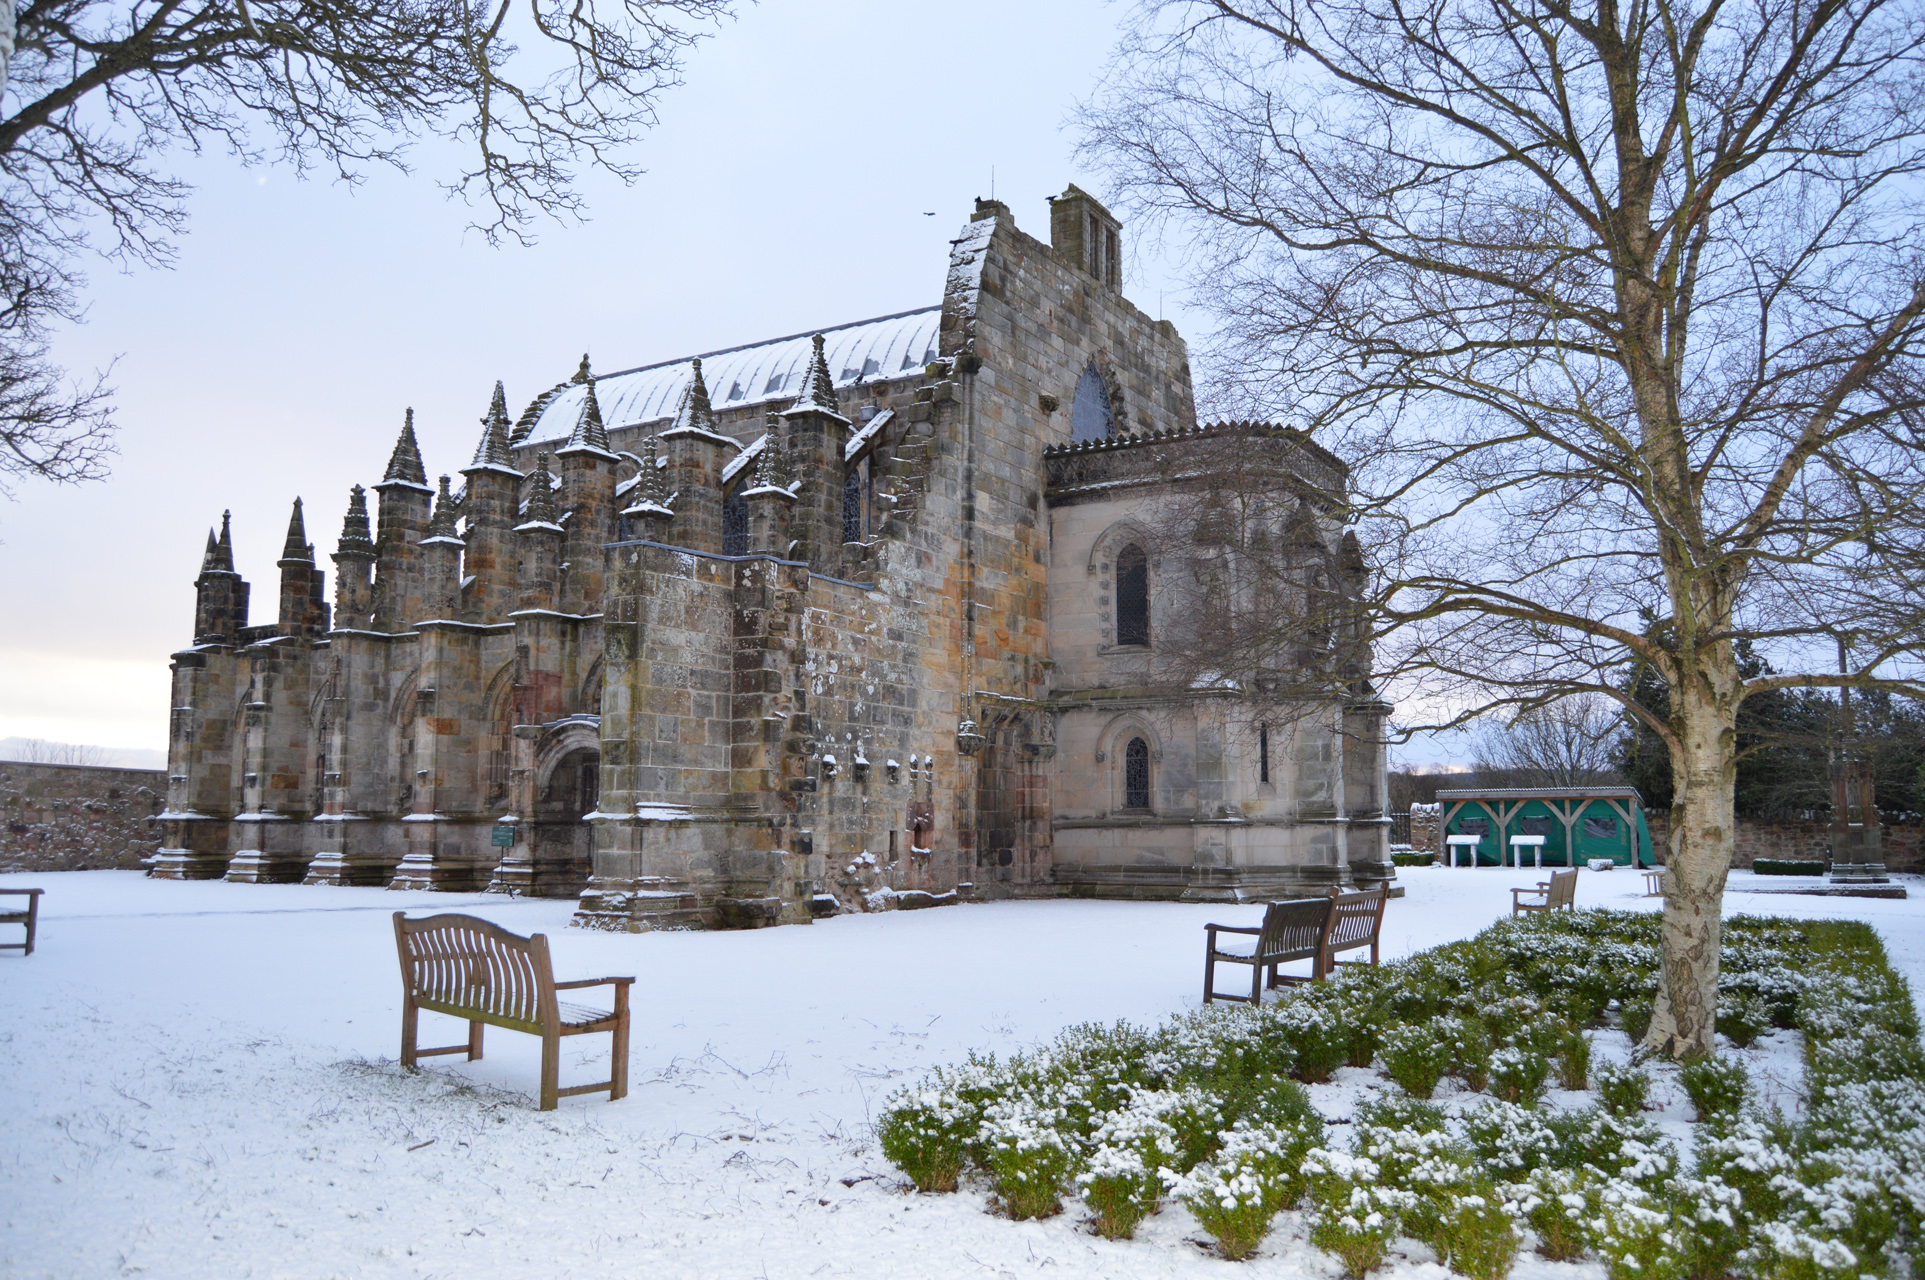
x=567 y=787
x=1102 y=567
x=590 y=696
x=1114 y=753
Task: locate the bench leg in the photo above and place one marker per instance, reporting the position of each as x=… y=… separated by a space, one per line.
x=550 y=1070
x=410 y=1029
x=1209 y=979
x=1256 y=984
x=618 y=1051
x=474 y=1040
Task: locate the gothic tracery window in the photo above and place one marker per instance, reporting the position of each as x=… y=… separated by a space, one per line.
x=1136 y=774
x=1089 y=415
x=1132 y=596
x=735 y=524
x=852 y=505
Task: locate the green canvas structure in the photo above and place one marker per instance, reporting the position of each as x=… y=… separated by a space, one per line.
x=1577 y=823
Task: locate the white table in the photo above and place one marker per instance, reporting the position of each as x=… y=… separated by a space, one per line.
x=1467 y=843
x=1534 y=843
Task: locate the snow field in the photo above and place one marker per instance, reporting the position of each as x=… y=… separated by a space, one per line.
x=201 y=1082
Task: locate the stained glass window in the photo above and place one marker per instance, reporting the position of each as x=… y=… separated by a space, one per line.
x=852 y=506
x=1136 y=775
x=1132 y=596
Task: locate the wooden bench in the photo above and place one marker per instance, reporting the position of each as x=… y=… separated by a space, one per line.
x=30 y=917
x=1290 y=931
x=1559 y=893
x=469 y=968
x=1313 y=929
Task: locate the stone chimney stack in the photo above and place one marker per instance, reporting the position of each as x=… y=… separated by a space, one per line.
x=405 y=499
x=1085 y=234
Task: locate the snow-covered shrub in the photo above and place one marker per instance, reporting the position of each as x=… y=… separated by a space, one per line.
x=1414 y=1152
x=1624 y=1090
x=1258 y=1171
x=1416 y=1056
x=1742 y=1017
x=1509 y=1141
x=1027 y=1153
x=1471 y=1050
x=1155 y=1137
x=926 y=1134
x=1317 y=1035
x=1637 y=1237
x=1121 y=1187
x=1352 y=1215
x=1477 y=1237
x=1573 y=1058
x=1560 y=1206
x=1716 y=1086
x=1518 y=1074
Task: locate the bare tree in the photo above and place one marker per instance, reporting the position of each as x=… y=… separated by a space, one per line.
x=41 y=751
x=99 y=92
x=1566 y=744
x=1616 y=314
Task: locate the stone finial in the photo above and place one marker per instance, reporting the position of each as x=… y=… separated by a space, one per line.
x=226 y=545
x=541 y=493
x=442 y=523
x=1302 y=532
x=818 y=394
x=768 y=463
x=590 y=432
x=694 y=413
x=357 y=539
x=404 y=465
x=493 y=451
x=211 y=558
x=651 y=490
x=583 y=374
x=296 y=547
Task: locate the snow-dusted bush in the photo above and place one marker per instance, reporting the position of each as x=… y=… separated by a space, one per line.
x=1258 y=1171
x=1624 y=1090
x=1716 y=1086
x=1518 y=1074
x=1416 y=1056
x=1560 y=1207
x=1573 y=1058
x=1136 y=1149
x=1028 y=1154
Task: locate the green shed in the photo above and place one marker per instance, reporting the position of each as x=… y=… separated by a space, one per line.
x=1577 y=823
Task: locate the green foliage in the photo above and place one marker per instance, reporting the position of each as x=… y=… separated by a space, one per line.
x=1624 y=1090
x=1743 y=1017
x=1635 y=1017
x=1559 y=1206
x=1787 y=867
x=1518 y=1074
x=923 y=1144
x=1573 y=1059
x=1716 y=1086
x=1352 y=1216
x=1416 y=1056
x=1414 y=859
x=1477 y=1237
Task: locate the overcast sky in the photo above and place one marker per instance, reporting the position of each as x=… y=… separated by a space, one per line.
x=787 y=190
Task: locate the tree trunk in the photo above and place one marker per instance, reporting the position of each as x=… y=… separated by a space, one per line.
x=1702 y=825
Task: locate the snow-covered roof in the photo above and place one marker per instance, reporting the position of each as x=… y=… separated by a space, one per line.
x=886 y=347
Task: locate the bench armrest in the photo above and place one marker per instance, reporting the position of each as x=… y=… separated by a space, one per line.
x=31 y=893
x=1541 y=889
x=1234 y=928
x=593 y=982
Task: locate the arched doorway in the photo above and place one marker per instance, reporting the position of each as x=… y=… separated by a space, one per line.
x=565 y=793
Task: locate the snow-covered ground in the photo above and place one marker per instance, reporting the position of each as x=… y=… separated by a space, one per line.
x=200 y=1080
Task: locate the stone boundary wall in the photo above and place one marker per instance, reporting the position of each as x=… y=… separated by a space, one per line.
x=1762 y=838
x=70 y=817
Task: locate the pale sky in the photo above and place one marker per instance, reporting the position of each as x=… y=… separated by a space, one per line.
x=787 y=187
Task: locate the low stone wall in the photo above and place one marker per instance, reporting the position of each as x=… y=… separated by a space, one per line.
x=69 y=817
x=1809 y=841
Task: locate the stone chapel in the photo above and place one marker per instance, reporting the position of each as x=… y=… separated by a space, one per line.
x=842 y=621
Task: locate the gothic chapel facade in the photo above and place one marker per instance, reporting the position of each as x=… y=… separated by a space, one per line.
x=834 y=622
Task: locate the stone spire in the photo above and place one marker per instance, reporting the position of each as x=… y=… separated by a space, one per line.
x=818 y=393
x=541 y=496
x=589 y=433
x=356 y=537
x=404 y=465
x=226 y=546
x=583 y=374
x=694 y=413
x=651 y=490
x=492 y=451
x=768 y=463
x=442 y=524
x=297 y=546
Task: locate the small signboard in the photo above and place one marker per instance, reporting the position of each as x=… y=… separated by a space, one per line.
x=504 y=836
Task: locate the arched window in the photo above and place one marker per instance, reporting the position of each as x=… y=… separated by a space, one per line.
x=735 y=524
x=1089 y=416
x=1132 y=596
x=852 y=505
x=1136 y=775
